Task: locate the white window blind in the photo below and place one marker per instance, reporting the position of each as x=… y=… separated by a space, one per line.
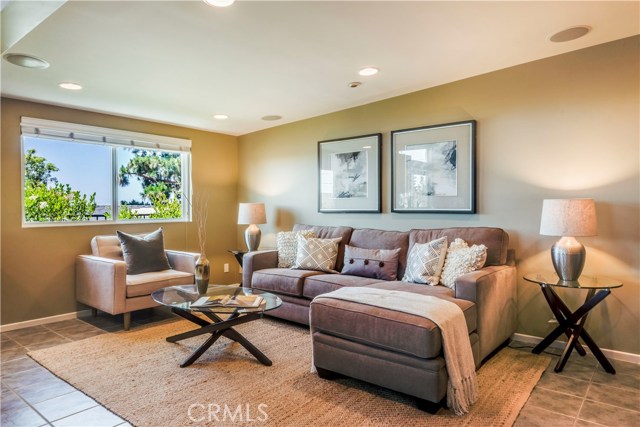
x=96 y=135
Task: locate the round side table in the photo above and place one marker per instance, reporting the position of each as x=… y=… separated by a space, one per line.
x=572 y=323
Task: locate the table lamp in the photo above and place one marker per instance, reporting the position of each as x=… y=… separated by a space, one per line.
x=252 y=214
x=569 y=218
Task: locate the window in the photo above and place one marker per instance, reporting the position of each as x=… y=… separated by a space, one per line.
x=82 y=174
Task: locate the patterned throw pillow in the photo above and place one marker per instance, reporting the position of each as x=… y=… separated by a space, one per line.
x=462 y=259
x=287 y=245
x=374 y=263
x=317 y=254
x=425 y=261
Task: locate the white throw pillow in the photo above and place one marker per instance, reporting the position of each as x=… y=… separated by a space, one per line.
x=317 y=254
x=287 y=245
x=425 y=261
x=462 y=259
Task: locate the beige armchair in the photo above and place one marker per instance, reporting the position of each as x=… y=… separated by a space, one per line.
x=103 y=284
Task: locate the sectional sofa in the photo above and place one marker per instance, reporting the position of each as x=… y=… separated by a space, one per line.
x=387 y=347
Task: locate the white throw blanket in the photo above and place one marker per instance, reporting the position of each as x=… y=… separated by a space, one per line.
x=462 y=389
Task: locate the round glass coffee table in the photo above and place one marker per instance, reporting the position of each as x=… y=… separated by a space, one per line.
x=181 y=299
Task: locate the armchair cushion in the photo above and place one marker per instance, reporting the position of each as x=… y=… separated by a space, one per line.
x=145 y=283
x=144 y=253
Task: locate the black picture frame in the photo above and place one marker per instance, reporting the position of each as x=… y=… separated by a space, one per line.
x=433 y=169
x=349 y=174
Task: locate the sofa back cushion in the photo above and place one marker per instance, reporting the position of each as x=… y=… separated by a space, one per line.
x=369 y=238
x=328 y=232
x=495 y=239
x=107 y=247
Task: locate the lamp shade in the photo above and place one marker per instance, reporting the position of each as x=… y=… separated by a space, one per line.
x=568 y=217
x=252 y=213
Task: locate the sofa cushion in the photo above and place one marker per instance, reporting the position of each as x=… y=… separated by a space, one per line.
x=373 y=263
x=145 y=283
x=384 y=328
x=495 y=239
x=287 y=246
x=144 y=253
x=462 y=259
x=323 y=283
x=328 y=232
x=281 y=280
x=425 y=262
x=381 y=239
x=317 y=254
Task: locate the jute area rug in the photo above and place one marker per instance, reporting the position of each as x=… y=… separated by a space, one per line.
x=136 y=375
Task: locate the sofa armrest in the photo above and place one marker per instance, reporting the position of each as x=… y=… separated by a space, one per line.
x=182 y=261
x=494 y=291
x=257 y=260
x=101 y=283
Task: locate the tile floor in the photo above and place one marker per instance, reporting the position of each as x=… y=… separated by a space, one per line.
x=583 y=395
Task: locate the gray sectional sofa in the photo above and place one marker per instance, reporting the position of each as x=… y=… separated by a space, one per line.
x=390 y=348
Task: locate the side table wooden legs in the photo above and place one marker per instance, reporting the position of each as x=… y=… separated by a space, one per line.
x=572 y=324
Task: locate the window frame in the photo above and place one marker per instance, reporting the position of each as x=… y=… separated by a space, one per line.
x=114 y=138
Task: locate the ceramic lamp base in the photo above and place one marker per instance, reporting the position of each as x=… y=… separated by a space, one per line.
x=568 y=256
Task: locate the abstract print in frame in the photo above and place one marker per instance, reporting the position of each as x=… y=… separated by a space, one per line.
x=349 y=174
x=433 y=169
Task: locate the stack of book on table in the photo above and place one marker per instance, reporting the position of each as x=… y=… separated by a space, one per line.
x=231 y=301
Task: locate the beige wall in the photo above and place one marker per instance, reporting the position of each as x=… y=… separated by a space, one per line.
x=562 y=127
x=38 y=263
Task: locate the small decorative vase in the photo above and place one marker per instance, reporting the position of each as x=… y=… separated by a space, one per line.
x=202 y=274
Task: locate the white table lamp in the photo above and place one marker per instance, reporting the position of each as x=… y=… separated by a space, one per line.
x=569 y=218
x=252 y=214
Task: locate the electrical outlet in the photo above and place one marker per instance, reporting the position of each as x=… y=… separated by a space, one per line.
x=226 y=267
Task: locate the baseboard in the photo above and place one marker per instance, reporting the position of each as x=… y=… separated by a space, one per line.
x=43 y=321
x=611 y=354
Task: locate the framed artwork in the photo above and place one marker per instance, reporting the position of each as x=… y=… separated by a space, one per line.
x=433 y=169
x=349 y=174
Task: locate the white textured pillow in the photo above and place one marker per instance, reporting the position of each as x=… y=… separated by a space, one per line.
x=424 y=262
x=317 y=254
x=287 y=245
x=462 y=259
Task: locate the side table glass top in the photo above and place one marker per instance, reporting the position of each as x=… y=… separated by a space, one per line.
x=583 y=282
x=183 y=296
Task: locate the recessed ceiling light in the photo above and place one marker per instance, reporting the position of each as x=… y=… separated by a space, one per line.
x=368 y=71
x=26 y=61
x=219 y=3
x=354 y=84
x=271 y=118
x=220 y=116
x=570 y=34
x=70 y=86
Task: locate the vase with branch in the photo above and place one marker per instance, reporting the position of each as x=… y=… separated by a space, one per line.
x=202 y=267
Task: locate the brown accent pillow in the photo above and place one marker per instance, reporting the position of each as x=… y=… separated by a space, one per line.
x=374 y=263
x=144 y=253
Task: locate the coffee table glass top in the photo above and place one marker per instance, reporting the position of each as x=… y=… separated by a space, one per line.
x=183 y=296
x=583 y=282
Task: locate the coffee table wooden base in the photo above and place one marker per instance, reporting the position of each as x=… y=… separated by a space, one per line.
x=217 y=327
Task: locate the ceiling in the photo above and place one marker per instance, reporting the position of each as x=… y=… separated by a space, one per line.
x=181 y=62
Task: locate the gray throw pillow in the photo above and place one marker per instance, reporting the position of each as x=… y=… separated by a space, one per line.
x=374 y=263
x=425 y=260
x=287 y=245
x=144 y=253
x=317 y=254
